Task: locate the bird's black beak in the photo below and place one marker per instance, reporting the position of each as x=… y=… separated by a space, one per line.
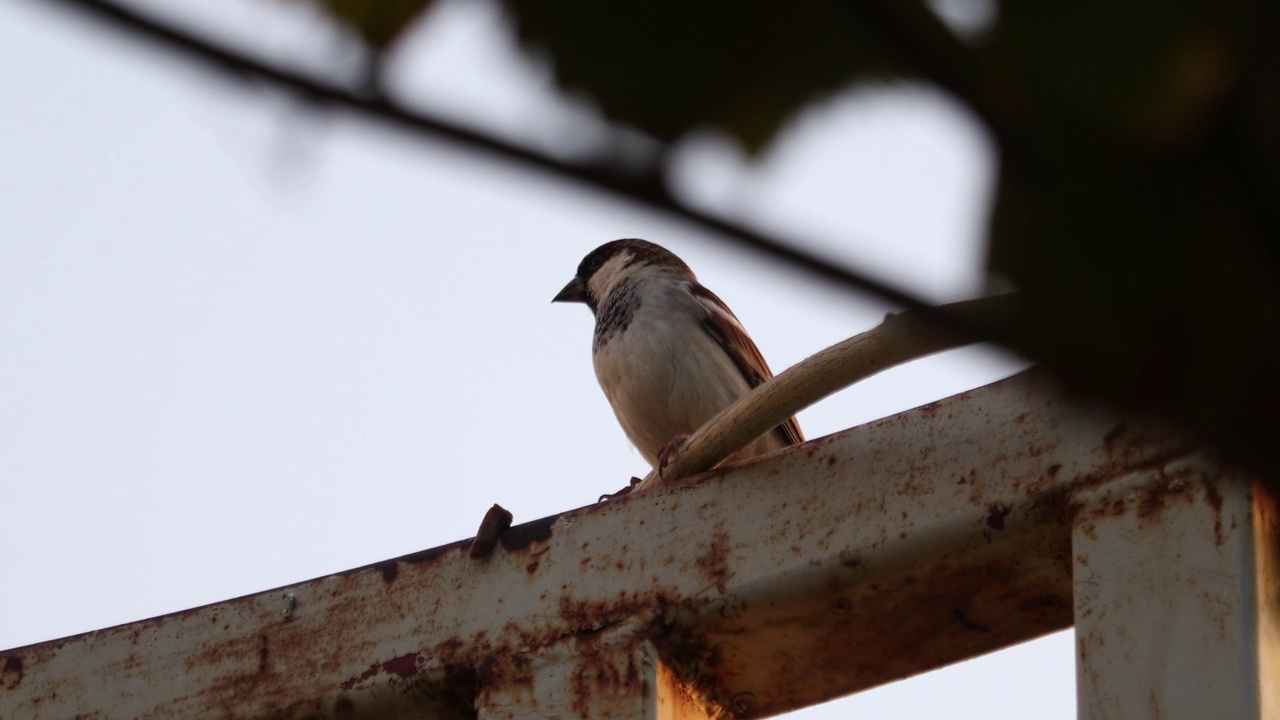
x=575 y=291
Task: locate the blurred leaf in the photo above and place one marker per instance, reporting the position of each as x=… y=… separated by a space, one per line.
x=1138 y=207
x=1138 y=204
x=377 y=22
x=669 y=66
x=1150 y=73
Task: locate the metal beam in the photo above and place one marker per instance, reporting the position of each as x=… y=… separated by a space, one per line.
x=852 y=560
x=613 y=673
x=1175 y=597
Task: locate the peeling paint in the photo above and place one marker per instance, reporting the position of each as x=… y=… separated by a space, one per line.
x=404 y=666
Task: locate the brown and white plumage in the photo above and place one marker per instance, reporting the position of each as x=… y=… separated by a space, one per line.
x=669 y=354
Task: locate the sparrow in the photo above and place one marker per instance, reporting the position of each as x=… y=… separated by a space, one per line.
x=669 y=354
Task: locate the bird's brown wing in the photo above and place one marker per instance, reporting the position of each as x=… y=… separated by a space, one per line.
x=722 y=325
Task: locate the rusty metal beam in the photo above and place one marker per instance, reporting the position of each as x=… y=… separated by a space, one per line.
x=864 y=557
x=613 y=673
x=1175 y=596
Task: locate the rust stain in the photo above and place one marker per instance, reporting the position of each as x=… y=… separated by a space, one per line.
x=485 y=674
x=586 y=617
x=11 y=674
x=503 y=673
x=1154 y=497
x=714 y=563
x=404 y=666
x=520 y=537
x=687 y=703
x=695 y=662
x=449 y=653
x=928 y=410
x=1214 y=498
x=1145 y=503
x=263 y=652
x=250 y=670
x=996 y=514
x=598 y=680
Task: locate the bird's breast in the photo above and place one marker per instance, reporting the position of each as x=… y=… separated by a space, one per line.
x=663 y=373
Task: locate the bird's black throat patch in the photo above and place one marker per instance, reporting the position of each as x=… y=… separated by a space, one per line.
x=615 y=314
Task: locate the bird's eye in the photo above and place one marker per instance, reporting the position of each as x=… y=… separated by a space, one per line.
x=590 y=265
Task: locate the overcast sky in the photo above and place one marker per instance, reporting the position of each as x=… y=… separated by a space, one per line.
x=242 y=345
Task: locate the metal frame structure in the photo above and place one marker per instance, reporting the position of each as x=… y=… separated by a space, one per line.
x=884 y=551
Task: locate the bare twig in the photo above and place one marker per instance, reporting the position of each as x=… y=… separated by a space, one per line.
x=899 y=339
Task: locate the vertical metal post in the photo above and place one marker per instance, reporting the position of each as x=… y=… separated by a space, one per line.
x=1175 y=597
x=609 y=674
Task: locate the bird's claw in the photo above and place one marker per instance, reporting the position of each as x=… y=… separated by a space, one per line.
x=664 y=455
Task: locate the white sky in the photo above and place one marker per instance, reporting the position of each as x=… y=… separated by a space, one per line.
x=243 y=346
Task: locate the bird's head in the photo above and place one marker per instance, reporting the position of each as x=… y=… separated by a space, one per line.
x=618 y=263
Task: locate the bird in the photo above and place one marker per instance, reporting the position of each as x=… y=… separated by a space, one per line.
x=668 y=353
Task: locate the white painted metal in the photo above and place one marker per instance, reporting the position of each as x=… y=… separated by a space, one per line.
x=1169 y=609
x=849 y=561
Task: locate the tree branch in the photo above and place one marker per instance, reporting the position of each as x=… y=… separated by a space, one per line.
x=931 y=49
x=899 y=339
x=646 y=188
